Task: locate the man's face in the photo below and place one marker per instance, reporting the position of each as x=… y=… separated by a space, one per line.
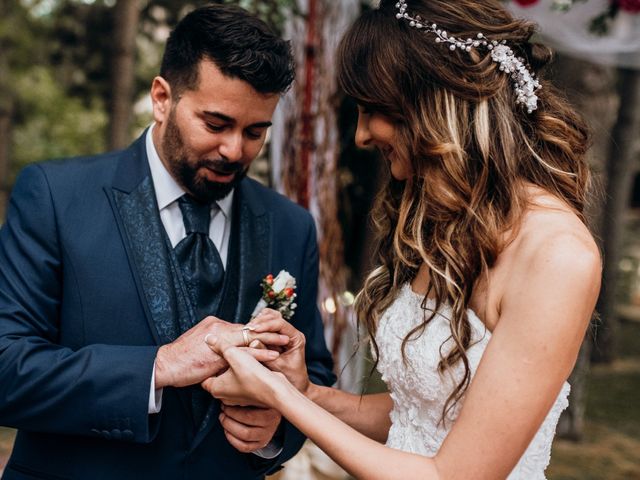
x=208 y=137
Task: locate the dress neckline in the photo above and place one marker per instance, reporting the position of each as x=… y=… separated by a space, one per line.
x=474 y=319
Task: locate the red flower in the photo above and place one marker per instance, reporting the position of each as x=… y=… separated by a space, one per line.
x=271 y=294
x=269 y=279
x=288 y=292
x=526 y=3
x=631 y=6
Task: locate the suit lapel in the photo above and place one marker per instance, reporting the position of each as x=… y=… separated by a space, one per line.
x=254 y=250
x=133 y=198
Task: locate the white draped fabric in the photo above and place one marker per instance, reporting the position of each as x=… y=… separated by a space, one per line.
x=568 y=32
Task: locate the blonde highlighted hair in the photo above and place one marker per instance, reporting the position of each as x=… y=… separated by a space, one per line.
x=471 y=149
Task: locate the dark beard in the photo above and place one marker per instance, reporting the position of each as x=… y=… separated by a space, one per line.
x=185 y=171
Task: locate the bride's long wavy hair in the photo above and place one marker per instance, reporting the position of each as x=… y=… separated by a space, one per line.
x=470 y=147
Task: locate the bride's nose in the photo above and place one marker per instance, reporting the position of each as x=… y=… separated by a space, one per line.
x=363 y=135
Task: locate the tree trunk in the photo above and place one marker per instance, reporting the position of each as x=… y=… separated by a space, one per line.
x=620 y=163
x=305 y=145
x=589 y=87
x=571 y=424
x=127 y=14
x=305 y=149
x=6 y=116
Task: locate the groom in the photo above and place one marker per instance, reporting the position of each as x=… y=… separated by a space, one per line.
x=110 y=264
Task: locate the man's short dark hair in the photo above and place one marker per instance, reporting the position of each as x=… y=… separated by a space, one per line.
x=241 y=45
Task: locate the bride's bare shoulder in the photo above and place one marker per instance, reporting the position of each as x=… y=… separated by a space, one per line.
x=551 y=233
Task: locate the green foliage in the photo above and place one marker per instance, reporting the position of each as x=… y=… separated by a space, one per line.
x=274 y=12
x=54 y=124
x=57 y=55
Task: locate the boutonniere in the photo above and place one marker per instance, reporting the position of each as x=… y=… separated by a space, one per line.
x=279 y=294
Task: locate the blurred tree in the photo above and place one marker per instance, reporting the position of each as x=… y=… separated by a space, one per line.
x=590 y=88
x=6 y=114
x=126 y=17
x=622 y=155
x=79 y=49
x=20 y=43
x=52 y=124
x=156 y=16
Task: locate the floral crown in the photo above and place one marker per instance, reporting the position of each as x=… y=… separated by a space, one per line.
x=525 y=84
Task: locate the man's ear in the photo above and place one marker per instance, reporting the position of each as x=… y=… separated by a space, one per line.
x=161 y=99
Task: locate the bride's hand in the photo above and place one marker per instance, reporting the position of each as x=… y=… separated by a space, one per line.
x=291 y=361
x=246 y=382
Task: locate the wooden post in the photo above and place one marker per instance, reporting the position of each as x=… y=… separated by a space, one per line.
x=127 y=14
x=620 y=162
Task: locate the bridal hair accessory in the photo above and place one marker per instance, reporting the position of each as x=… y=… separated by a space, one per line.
x=279 y=294
x=525 y=84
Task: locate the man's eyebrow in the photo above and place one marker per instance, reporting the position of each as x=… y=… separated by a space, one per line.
x=228 y=119
x=220 y=116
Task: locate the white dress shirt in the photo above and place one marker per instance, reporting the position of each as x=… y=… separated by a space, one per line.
x=167 y=194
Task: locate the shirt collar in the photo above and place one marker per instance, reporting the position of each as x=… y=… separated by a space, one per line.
x=167 y=189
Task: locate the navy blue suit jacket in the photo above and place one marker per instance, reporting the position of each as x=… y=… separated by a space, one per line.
x=84 y=296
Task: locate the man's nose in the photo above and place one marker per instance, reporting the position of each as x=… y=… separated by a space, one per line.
x=363 y=136
x=231 y=147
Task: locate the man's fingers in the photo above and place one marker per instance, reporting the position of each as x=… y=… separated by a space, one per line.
x=208 y=384
x=241 y=431
x=241 y=446
x=218 y=343
x=252 y=416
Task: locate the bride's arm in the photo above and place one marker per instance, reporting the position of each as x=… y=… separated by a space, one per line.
x=368 y=414
x=358 y=455
x=544 y=313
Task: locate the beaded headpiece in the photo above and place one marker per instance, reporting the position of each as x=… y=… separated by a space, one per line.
x=525 y=84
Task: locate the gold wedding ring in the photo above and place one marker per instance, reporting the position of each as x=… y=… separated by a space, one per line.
x=245 y=334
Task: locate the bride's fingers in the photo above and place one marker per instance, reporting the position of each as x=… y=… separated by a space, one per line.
x=270 y=324
x=262 y=355
x=221 y=345
x=268 y=338
x=244 y=359
x=266 y=314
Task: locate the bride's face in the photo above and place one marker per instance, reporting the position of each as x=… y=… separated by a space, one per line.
x=378 y=130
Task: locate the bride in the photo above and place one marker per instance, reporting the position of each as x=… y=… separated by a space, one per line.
x=487 y=275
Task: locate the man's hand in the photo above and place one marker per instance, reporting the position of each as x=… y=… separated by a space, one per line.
x=189 y=360
x=249 y=428
x=291 y=361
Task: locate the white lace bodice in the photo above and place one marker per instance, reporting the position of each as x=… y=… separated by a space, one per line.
x=419 y=392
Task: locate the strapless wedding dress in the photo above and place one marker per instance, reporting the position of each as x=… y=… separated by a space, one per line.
x=419 y=392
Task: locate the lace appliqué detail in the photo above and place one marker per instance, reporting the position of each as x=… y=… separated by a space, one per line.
x=419 y=392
